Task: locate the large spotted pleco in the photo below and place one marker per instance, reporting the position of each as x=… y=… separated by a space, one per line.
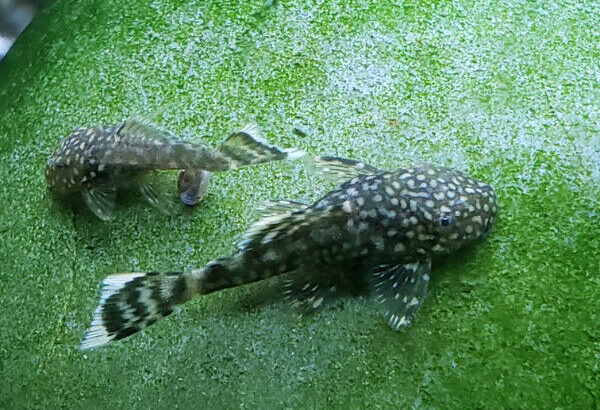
x=379 y=228
x=97 y=161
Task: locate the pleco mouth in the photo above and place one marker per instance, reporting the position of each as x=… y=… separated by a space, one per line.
x=190 y=197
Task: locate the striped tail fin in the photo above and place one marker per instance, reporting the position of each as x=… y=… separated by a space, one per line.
x=248 y=147
x=131 y=302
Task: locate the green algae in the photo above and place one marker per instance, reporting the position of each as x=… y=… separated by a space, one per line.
x=505 y=90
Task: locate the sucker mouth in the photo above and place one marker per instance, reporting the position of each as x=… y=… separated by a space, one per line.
x=190 y=197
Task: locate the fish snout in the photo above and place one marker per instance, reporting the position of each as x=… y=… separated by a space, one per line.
x=192 y=185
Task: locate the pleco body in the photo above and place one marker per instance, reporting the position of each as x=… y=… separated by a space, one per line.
x=378 y=228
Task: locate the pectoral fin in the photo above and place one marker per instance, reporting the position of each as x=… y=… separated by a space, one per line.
x=401 y=290
x=156 y=188
x=136 y=127
x=101 y=200
x=340 y=170
x=309 y=292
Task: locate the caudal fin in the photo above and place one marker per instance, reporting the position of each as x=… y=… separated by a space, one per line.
x=131 y=302
x=247 y=147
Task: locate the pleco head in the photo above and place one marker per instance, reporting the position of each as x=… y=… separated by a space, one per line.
x=457 y=209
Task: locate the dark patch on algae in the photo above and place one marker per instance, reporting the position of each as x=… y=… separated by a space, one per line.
x=501 y=90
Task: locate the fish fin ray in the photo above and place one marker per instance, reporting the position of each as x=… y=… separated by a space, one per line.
x=308 y=293
x=101 y=200
x=154 y=187
x=137 y=127
x=279 y=207
x=401 y=290
x=261 y=228
x=131 y=302
x=339 y=170
x=275 y=227
x=248 y=147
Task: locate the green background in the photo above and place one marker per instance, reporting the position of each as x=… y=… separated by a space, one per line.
x=508 y=91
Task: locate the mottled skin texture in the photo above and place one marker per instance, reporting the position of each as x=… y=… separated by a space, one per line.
x=388 y=218
x=379 y=227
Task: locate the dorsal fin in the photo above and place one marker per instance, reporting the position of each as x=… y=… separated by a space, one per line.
x=135 y=127
x=272 y=228
x=279 y=207
x=340 y=170
x=262 y=227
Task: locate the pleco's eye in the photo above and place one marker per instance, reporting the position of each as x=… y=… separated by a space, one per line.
x=446 y=220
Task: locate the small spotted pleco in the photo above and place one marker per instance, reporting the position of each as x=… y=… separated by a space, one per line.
x=98 y=161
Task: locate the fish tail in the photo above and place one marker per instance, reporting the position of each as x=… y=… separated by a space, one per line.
x=242 y=148
x=131 y=302
x=248 y=147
